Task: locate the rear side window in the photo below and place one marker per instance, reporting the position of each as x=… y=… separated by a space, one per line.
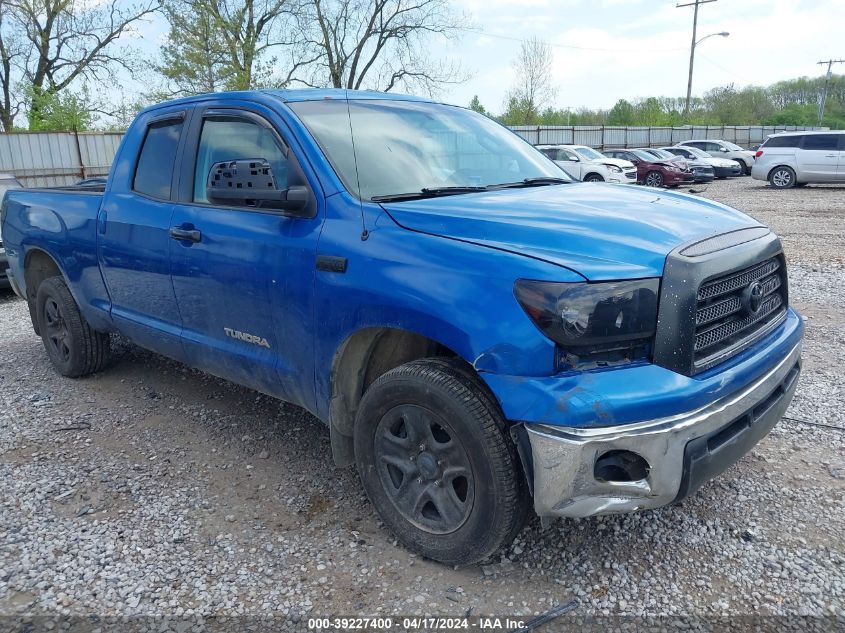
x=821 y=142
x=793 y=140
x=154 y=172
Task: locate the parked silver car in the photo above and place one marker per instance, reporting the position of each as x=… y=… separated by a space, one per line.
x=792 y=159
x=724 y=149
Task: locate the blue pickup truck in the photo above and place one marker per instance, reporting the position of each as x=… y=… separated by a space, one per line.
x=480 y=333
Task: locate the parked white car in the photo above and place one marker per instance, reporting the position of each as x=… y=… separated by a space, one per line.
x=724 y=149
x=791 y=159
x=585 y=163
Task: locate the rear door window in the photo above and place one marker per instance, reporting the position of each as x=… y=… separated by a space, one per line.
x=784 y=141
x=822 y=142
x=154 y=171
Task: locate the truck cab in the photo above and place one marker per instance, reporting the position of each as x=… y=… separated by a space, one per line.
x=481 y=334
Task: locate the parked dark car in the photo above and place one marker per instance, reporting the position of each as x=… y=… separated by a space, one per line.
x=653 y=171
x=7 y=181
x=722 y=167
x=702 y=171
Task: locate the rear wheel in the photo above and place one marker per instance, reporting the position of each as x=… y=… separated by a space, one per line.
x=654 y=179
x=74 y=349
x=435 y=461
x=593 y=178
x=782 y=178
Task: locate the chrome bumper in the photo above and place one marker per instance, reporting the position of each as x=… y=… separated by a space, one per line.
x=564 y=458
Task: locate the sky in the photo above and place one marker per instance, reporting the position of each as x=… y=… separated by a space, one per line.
x=605 y=50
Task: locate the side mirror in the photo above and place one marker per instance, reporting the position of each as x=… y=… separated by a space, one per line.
x=251 y=183
x=723 y=149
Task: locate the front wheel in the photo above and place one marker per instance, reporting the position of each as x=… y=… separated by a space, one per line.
x=593 y=178
x=74 y=349
x=435 y=461
x=744 y=170
x=654 y=179
x=782 y=178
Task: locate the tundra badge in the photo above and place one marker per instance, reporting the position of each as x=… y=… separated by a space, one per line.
x=247 y=338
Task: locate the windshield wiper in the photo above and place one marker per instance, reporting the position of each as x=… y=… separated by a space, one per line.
x=531 y=182
x=427 y=192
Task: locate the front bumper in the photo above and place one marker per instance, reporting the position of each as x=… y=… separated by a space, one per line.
x=682 y=451
x=728 y=172
x=679 y=179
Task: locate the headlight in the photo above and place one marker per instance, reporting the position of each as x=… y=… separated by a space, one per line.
x=594 y=322
x=673 y=168
x=614 y=169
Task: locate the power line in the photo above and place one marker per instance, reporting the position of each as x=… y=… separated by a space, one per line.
x=572 y=46
x=823 y=100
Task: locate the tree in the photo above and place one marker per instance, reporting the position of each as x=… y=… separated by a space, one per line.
x=62 y=111
x=230 y=45
x=621 y=114
x=533 y=88
x=50 y=44
x=475 y=104
x=11 y=51
x=380 y=44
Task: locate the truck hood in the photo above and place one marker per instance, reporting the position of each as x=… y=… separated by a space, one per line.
x=600 y=231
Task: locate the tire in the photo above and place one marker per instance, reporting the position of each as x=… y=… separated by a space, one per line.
x=744 y=170
x=74 y=349
x=593 y=178
x=653 y=179
x=782 y=177
x=415 y=424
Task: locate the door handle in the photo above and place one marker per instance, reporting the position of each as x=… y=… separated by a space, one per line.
x=187 y=235
x=830 y=155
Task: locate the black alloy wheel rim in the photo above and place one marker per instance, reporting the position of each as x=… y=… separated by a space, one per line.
x=57 y=332
x=424 y=469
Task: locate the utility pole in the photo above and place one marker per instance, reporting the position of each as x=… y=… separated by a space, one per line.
x=823 y=100
x=695 y=4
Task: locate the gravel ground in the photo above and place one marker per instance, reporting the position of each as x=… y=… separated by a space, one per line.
x=155 y=489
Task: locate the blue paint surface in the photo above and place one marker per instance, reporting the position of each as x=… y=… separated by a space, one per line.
x=443 y=268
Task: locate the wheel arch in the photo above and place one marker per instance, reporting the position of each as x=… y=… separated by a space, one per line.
x=359 y=360
x=38 y=266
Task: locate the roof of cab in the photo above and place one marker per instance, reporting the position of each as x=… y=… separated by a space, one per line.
x=290 y=96
x=319 y=94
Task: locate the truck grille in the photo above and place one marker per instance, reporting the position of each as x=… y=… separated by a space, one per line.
x=736 y=309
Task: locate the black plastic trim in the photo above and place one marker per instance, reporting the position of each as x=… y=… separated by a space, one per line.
x=682 y=276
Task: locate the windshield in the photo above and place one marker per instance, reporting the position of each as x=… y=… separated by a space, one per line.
x=731 y=146
x=700 y=153
x=662 y=153
x=383 y=148
x=589 y=153
x=642 y=155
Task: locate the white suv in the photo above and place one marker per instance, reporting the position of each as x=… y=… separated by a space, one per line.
x=585 y=163
x=725 y=149
x=792 y=159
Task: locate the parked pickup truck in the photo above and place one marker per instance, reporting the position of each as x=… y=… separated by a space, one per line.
x=479 y=333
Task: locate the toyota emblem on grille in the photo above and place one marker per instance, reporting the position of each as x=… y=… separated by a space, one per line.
x=754 y=297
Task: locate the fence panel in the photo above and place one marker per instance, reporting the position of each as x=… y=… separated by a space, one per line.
x=50 y=159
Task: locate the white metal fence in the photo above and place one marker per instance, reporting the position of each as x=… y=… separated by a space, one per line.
x=50 y=159
x=606 y=137
x=53 y=159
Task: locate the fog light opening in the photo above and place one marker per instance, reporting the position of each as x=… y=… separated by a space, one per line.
x=620 y=466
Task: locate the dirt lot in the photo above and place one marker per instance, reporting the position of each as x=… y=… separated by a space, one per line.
x=155 y=489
